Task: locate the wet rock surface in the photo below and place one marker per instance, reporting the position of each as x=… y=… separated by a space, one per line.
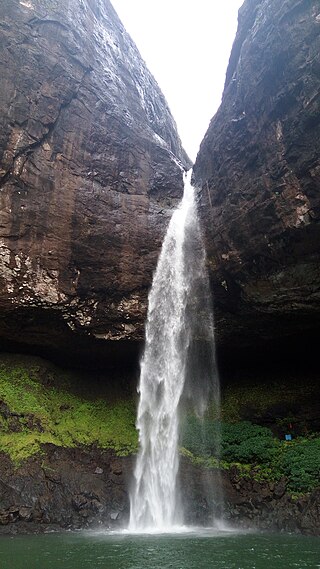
x=90 y=168
x=246 y=503
x=88 y=488
x=267 y=506
x=258 y=173
x=64 y=488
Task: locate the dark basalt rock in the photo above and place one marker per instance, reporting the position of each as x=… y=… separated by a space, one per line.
x=246 y=503
x=88 y=488
x=64 y=488
x=258 y=171
x=90 y=167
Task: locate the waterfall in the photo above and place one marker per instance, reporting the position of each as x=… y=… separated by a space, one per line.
x=177 y=367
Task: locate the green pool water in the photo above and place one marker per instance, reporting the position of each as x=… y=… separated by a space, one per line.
x=192 y=550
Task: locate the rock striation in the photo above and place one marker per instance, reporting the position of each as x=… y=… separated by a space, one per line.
x=90 y=167
x=258 y=170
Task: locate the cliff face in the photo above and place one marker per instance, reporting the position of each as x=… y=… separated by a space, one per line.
x=90 y=168
x=258 y=170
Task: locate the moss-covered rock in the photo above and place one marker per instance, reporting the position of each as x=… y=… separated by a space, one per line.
x=279 y=401
x=41 y=403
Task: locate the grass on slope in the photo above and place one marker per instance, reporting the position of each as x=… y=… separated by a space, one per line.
x=33 y=412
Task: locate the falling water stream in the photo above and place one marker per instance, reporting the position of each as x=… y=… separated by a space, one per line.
x=178 y=366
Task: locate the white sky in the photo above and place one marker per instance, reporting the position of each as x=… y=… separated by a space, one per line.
x=186 y=45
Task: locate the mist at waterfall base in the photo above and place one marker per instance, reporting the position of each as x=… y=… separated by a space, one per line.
x=178 y=370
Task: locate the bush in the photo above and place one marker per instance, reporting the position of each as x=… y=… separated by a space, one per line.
x=300 y=462
x=248 y=443
x=238 y=442
x=254 y=449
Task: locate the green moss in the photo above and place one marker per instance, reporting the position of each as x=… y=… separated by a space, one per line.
x=257 y=397
x=205 y=462
x=240 y=397
x=20 y=446
x=46 y=414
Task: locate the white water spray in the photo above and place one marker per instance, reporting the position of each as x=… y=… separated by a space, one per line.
x=178 y=364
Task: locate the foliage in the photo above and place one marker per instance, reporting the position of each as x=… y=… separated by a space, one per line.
x=301 y=464
x=240 y=442
x=254 y=452
x=38 y=406
x=247 y=443
x=36 y=413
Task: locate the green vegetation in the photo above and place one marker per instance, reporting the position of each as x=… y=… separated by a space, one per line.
x=301 y=464
x=254 y=451
x=247 y=443
x=241 y=442
x=41 y=404
x=37 y=409
x=250 y=398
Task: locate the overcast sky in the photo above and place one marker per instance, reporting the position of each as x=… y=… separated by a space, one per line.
x=186 y=45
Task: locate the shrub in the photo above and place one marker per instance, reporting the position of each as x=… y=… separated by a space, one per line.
x=235 y=442
x=247 y=443
x=254 y=451
x=300 y=462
